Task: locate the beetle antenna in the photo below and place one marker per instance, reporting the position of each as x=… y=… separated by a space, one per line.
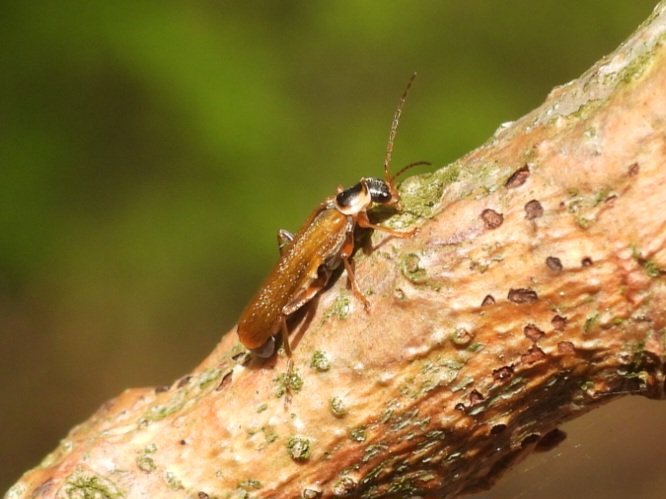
x=410 y=165
x=394 y=130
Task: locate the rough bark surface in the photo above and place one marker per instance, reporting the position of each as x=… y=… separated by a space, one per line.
x=534 y=291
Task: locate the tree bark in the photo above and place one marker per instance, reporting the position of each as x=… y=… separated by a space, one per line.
x=534 y=291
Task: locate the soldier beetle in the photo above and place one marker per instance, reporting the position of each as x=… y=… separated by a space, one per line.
x=309 y=257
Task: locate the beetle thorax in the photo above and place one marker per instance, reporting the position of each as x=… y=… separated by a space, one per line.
x=353 y=200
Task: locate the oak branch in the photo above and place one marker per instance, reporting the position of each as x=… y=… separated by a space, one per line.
x=534 y=291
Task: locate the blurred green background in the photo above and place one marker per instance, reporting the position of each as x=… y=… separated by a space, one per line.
x=149 y=151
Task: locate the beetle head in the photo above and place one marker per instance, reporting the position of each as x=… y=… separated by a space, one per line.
x=381 y=192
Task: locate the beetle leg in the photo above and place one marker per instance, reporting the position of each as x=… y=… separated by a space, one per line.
x=363 y=221
x=284 y=237
x=285 y=336
x=290 y=362
x=306 y=294
x=345 y=252
x=352 y=282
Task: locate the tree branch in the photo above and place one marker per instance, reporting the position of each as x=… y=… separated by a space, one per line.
x=534 y=291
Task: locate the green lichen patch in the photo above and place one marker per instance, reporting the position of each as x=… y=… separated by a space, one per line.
x=250 y=484
x=372 y=451
x=436 y=372
x=298 y=448
x=262 y=407
x=207 y=377
x=83 y=484
x=145 y=460
x=173 y=482
x=310 y=494
x=420 y=194
x=461 y=337
x=587 y=386
x=475 y=347
x=464 y=383
x=337 y=407
x=584 y=206
x=634 y=70
x=237 y=350
x=585 y=110
x=269 y=434
x=160 y=411
x=652 y=269
x=591 y=321
x=319 y=361
x=289 y=382
x=344 y=486
x=412 y=268
x=358 y=434
x=146 y=463
x=602 y=195
x=583 y=222
x=340 y=308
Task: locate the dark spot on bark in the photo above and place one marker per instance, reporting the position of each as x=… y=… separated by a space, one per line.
x=503 y=373
x=633 y=169
x=533 y=209
x=518 y=177
x=559 y=322
x=566 y=348
x=586 y=262
x=533 y=332
x=497 y=429
x=550 y=440
x=183 y=381
x=161 y=388
x=226 y=379
x=460 y=407
x=491 y=218
x=202 y=495
x=530 y=440
x=488 y=300
x=554 y=264
x=533 y=355
x=522 y=295
x=475 y=397
x=238 y=355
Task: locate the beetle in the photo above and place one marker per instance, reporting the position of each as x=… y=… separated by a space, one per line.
x=309 y=257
